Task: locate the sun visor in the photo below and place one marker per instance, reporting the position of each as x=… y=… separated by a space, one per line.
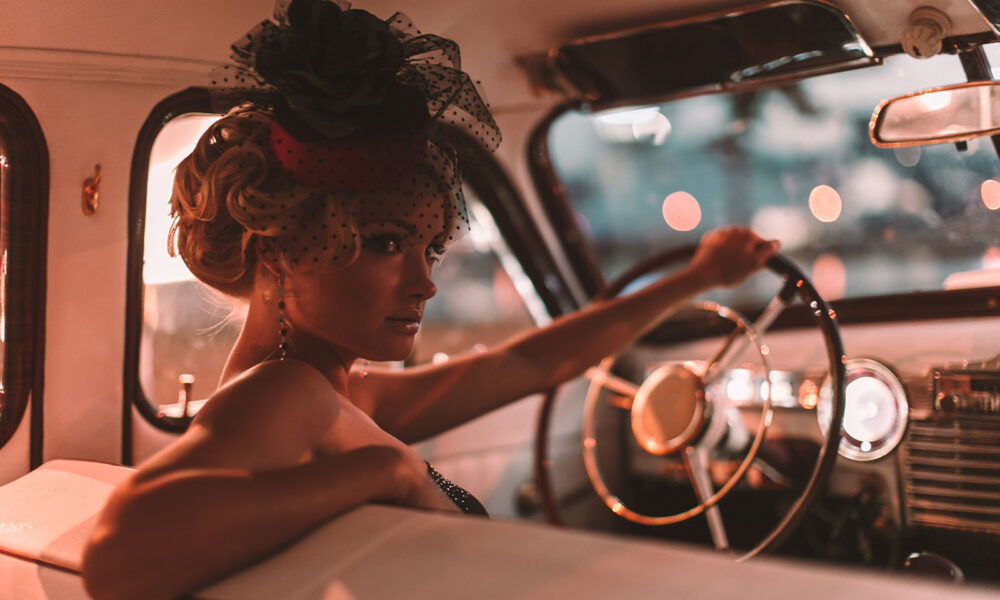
x=725 y=51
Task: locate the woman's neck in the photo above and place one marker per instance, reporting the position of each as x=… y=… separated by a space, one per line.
x=259 y=341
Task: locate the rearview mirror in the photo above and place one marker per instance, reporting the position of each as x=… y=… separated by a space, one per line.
x=947 y=114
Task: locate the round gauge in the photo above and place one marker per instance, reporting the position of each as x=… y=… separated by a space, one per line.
x=875 y=413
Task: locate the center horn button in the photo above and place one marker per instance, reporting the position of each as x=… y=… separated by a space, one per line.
x=669 y=411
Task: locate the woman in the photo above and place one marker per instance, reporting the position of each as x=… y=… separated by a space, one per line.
x=335 y=265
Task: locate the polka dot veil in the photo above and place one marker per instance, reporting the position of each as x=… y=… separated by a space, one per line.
x=356 y=117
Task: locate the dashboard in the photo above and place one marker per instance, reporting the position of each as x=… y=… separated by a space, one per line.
x=921 y=432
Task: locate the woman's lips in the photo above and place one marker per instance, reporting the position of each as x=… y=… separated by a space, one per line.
x=404 y=325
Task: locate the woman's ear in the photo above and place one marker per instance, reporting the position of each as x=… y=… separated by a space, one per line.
x=272 y=267
x=267 y=277
x=268 y=256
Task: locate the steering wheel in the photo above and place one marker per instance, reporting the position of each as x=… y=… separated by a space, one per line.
x=672 y=414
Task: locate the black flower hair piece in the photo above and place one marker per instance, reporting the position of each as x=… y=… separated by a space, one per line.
x=365 y=114
x=334 y=72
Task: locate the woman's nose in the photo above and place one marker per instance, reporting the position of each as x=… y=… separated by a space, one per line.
x=420 y=284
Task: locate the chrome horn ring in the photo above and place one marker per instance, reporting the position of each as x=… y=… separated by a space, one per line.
x=654 y=407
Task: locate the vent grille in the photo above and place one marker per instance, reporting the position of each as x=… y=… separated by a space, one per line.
x=951 y=474
x=919 y=393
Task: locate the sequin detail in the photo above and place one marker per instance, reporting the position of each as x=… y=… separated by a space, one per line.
x=465 y=501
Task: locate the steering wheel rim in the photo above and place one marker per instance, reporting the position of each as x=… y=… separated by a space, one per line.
x=703 y=425
x=795 y=284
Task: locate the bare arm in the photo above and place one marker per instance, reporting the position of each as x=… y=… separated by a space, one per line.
x=238 y=485
x=149 y=544
x=424 y=401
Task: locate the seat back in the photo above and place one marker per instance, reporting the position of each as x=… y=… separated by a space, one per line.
x=47 y=515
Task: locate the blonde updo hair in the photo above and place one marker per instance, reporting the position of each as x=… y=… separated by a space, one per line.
x=232 y=206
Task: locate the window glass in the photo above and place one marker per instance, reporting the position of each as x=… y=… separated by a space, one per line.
x=483 y=296
x=795 y=164
x=23 y=216
x=188 y=330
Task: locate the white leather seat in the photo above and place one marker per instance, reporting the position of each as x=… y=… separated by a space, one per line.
x=45 y=519
x=381 y=552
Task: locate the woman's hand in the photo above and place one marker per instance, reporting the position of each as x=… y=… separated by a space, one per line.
x=408 y=483
x=728 y=256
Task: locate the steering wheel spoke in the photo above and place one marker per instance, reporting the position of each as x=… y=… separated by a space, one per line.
x=723 y=358
x=696 y=465
x=622 y=402
x=735 y=343
x=624 y=390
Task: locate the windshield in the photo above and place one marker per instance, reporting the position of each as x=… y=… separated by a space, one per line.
x=795 y=163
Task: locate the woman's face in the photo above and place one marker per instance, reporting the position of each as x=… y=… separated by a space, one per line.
x=373 y=307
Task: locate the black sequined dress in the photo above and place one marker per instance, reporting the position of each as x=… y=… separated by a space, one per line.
x=462 y=499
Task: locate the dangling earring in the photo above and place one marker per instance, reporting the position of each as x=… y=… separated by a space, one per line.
x=282 y=323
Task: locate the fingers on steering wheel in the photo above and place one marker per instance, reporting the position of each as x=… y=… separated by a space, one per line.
x=764 y=250
x=739 y=248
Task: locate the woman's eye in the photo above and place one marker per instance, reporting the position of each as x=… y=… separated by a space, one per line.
x=386 y=243
x=434 y=252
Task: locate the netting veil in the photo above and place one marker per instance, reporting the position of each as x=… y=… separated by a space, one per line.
x=339 y=116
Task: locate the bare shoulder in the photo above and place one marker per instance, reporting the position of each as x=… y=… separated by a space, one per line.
x=287 y=393
x=269 y=417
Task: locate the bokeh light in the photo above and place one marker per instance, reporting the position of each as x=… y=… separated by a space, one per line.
x=909 y=156
x=829 y=276
x=825 y=203
x=787 y=224
x=872 y=186
x=681 y=211
x=990 y=191
x=991 y=258
x=808 y=394
x=632 y=125
x=655 y=129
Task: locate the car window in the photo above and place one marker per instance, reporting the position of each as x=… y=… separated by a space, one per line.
x=187 y=329
x=795 y=163
x=24 y=193
x=483 y=295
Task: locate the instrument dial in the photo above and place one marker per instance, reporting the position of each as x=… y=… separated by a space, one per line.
x=875 y=414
